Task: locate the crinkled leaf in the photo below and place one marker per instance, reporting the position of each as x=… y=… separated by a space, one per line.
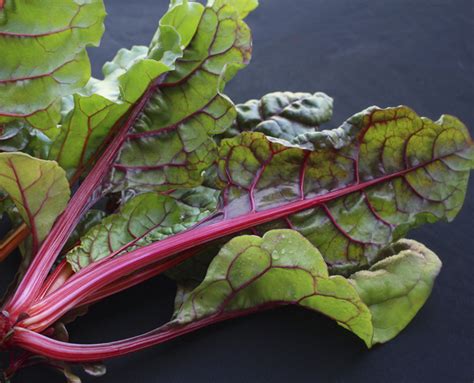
x=38 y=188
x=91 y=116
x=184 y=132
x=363 y=185
x=285 y=115
x=397 y=287
x=170 y=145
x=46 y=57
x=144 y=219
x=281 y=268
x=338 y=195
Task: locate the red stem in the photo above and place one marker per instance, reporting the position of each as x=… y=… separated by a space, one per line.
x=120 y=285
x=87 y=194
x=136 y=278
x=40 y=344
x=93 y=278
x=56 y=279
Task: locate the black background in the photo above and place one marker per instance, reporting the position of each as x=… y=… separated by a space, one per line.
x=361 y=52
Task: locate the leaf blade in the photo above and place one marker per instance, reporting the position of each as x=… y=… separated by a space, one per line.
x=144 y=219
x=38 y=188
x=396 y=287
x=169 y=147
x=51 y=61
x=288 y=116
x=281 y=268
x=357 y=203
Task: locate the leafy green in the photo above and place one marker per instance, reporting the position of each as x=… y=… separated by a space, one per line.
x=144 y=219
x=285 y=115
x=38 y=188
x=280 y=268
x=396 y=287
x=170 y=145
x=90 y=117
x=283 y=268
x=365 y=212
x=184 y=177
x=13 y=137
x=381 y=173
x=16 y=136
x=46 y=57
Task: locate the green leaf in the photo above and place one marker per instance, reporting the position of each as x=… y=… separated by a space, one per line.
x=282 y=268
x=46 y=57
x=397 y=287
x=184 y=18
x=89 y=119
x=244 y=7
x=17 y=135
x=144 y=219
x=285 y=115
x=362 y=186
x=171 y=144
x=38 y=188
x=13 y=136
x=252 y=273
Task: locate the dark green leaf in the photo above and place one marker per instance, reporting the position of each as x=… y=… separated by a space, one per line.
x=144 y=219
x=285 y=115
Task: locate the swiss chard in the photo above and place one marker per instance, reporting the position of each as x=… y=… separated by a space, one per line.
x=275 y=208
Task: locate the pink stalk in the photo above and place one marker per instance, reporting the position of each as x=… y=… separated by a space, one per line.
x=120 y=285
x=89 y=280
x=136 y=278
x=87 y=194
x=43 y=345
x=56 y=279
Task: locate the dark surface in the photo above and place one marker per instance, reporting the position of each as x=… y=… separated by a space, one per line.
x=418 y=53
